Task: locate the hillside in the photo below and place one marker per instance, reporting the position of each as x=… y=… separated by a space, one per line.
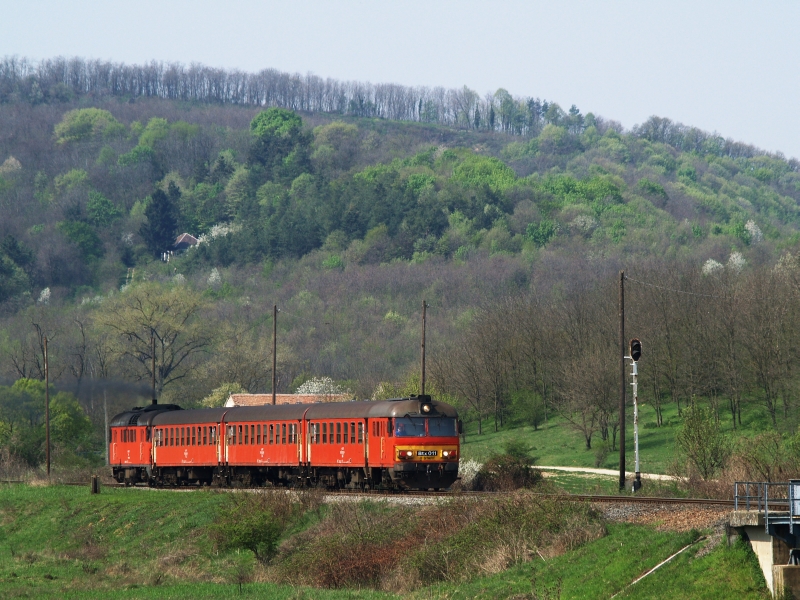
x=510 y=216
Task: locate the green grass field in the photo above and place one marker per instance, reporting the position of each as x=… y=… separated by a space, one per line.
x=62 y=542
x=558 y=444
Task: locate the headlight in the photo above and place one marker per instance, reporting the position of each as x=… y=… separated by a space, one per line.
x=445 y=453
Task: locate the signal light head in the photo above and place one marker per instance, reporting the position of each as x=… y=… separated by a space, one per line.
x=636 y=349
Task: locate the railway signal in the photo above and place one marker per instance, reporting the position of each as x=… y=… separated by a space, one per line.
x=635 y=346
x=636 y=349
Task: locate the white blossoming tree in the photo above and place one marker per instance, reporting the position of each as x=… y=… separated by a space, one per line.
x=711 y=266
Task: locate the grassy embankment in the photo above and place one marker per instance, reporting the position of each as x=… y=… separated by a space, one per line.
x=62 y=542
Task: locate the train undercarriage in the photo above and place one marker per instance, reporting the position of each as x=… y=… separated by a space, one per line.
x=402 y=476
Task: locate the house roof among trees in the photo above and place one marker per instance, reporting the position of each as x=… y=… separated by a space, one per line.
x=184 y=241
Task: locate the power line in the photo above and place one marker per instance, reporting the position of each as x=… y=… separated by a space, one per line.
x=687 y=293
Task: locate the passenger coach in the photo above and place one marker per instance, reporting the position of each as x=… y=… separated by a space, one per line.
x=401 y=443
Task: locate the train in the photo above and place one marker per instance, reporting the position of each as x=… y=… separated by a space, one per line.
x=409 y=443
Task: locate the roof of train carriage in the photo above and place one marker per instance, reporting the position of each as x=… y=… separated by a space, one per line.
x=183 y=417
x=141 y=416
x=397 y=407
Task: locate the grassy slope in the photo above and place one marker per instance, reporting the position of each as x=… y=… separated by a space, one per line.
x=63 y=542
x=605 y=567
x=557 y=444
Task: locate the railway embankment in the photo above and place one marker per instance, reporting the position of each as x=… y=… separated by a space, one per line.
x=61 y=541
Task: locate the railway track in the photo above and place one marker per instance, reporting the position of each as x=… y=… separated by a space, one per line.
x=373 y=494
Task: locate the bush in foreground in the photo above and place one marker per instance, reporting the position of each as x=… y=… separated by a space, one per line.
x=402 y=548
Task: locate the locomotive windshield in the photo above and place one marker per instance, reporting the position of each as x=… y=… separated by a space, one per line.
x=415 y=427
x=442 y=427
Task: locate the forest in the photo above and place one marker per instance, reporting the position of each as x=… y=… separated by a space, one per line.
x=347 y=204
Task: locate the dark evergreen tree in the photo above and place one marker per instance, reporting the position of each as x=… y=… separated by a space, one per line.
x=161 y=227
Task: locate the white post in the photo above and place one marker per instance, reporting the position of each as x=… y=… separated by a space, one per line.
x=637 y=482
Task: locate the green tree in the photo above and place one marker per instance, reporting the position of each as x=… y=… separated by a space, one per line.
x=701 y=442
x=171 y=315
x=85 y=123
x=220 y=394
x=84 y=237
x=101 y=210
x=161 y=227
x=279 y=143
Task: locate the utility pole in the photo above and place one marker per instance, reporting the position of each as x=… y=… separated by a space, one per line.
x=105 y=412
x=274 y=351
x=47 y=408
x=622 y=380
x=153 y=356
x=422 y=380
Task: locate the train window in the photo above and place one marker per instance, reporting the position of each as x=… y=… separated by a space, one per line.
x=194 y=436
x=239 y=430
x=283 y=433
x=246 y=436
x=316 y=433
x=389 y=427
x=134 y=435
x=252 y=434
x=324 y=433
x=147 y=435
x=183 y=437
x=205 y=435
x=360 y=433
x=338 y=433
x=258 y=434
x=352 y=433
x=212 y=432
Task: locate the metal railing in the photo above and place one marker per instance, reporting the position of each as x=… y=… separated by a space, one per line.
x=782 y=497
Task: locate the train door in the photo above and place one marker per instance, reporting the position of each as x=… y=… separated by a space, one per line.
x=363 y=438
x=382 y=433
x=309 y=438
x=114 y=459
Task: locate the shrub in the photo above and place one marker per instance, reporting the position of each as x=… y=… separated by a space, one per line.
x=256 y=522
x=701 y=443
x=506 y=472
x=401 y=548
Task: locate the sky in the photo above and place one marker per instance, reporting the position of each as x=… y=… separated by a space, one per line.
x=727 y=66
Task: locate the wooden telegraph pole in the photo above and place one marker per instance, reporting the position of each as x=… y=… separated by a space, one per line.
x=47 y=408
x=274 y=350
x=422 y=380
x=153 y=357
x=622 y=380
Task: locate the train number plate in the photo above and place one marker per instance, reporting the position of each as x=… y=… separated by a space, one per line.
x=427 y=452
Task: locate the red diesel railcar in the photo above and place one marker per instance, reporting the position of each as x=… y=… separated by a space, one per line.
x=402 y=443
